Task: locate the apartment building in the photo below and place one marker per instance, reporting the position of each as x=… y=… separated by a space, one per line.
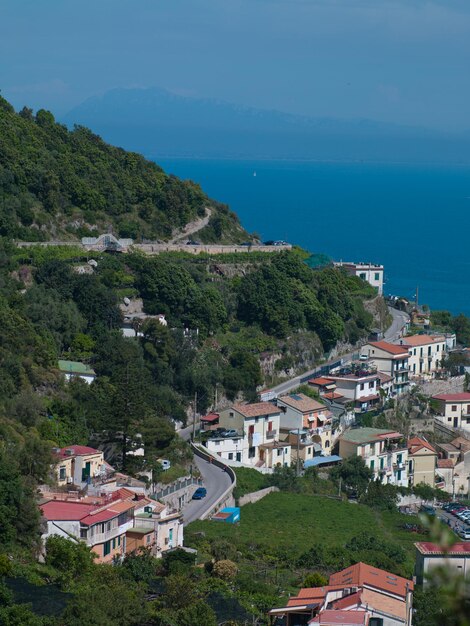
x=360 y=594
x=454 y=409
x=382 y=450
x=371 y=273
x=422 y=462
x=392 y=360
x=358 y=384
x=426 y=353
x=429 y=556
x=78 y=465
x=255 y=439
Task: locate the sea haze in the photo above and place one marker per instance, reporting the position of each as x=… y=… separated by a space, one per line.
x=413 y=219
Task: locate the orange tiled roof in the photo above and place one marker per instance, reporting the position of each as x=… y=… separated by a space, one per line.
x=421 y=340
x=362 y=574
x=389 y=347
x=321 y=381
x=256 y=409
x=302 y=402
x=416 y=443
x=445 y=463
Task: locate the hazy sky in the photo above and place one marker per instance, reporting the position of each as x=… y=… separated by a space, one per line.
x=406 y=61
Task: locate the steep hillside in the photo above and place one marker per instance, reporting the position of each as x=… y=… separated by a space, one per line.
x=56 y=183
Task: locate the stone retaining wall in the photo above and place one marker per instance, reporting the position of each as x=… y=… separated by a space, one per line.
x=251 y=498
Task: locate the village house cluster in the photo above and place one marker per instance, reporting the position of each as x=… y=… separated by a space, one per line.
x=92 y=505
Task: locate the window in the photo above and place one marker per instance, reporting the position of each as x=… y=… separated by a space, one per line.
x=256 y=420
x=371 y=384
x=230 y=456
x=454 y=407
x=83 y=533
x=230 y=414
x=217 y=443
x=376 y=276
x=279 y=451
x=414 y=352
x=437 y=348
x=449 y=419
x=376 y=621
x=106 y=548
x=382 y=463
x=468 y=409
x=62 y=472
x=372 y=463
x=251 y=452
x=399 y=475
x=309 y=450
x=362 y=275
x=114 y=544
x=327 y=443
x=362 y=386
x=148 y=538
x=399 y=457
x=108 y=526
x=270 y=426
x=251 y=429
x=119 y=540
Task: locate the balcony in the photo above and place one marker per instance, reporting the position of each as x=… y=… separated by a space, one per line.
x=270 y=434
x=402 y=368
x=92 y=540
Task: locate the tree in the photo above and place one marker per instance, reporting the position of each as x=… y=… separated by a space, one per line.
x=315 y=579
x=354 y=474
x=225 y=569
x=72 y=558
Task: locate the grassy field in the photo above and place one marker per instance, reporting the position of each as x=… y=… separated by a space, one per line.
x=286 y=523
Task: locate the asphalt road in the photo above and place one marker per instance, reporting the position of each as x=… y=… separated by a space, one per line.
x=215 y=480
x=452 y=521
x=391 y=334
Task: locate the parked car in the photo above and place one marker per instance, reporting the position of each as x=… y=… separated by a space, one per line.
x=218 y=432
x=429 y=510
x=231 y=432
x=465 y=534
x=200 y=493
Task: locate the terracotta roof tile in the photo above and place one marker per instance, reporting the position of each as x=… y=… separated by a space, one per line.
x=256 y=409
x=389 y=347
x=445 y=463
x=321 y=381
x=331 y=617
x=426 y=547
x=453 y=397
x=77 y=451
x=422 y=340
x=302 y=402
x=362 y=574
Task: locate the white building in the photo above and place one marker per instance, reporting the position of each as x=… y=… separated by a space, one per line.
x=76 y=369
x=371 y=273
x=257 y=429
x=359 y=385
x=382 y=451
x=392 y=360
x=426 y=353
x=454 y=409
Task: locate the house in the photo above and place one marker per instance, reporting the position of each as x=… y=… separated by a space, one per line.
x=112 y=525
x=359 y=594
x=256 y=428
x=75 y=369
x=305 y=446
x=358 y=384
x=392 y=360
x=422 y=462
x=454 y=409
x=78 y=465
x=371 y=273
x=430 y=556
x=454 y=467
x=382 y=451
x=426 y=353
x=300 y=411
x=210 y=421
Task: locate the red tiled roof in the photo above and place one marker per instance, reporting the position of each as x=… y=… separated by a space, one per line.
x=330 y=617
x=321 y=381
x=363 y=574
x=60 y=510
x=367 y=398
x=453 y=397
x=426 y=547
x=256 y=409
x=102 y=516
x=332 y=395
x=384 y=378
x=389 y=347
x=350 y=600
x=211 y=417
x=77 y=451
x=445 y=463
x=416 y=443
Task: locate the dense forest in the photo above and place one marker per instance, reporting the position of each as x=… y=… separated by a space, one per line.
x=56 y=183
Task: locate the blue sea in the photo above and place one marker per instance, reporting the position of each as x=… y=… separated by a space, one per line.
x=413 y=219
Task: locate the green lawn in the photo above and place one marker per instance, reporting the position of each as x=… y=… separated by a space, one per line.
x=290 y=523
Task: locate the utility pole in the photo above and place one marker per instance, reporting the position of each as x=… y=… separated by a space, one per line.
x=298 y=451
x=194 y=415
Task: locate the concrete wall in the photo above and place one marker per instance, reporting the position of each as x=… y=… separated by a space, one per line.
x=251 y=498
x=157 y=248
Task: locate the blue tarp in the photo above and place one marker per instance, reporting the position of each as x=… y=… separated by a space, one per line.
x=322 y=460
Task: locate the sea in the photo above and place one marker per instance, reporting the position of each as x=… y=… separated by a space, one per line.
x=413 y=219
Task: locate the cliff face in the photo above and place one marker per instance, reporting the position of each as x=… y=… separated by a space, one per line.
x=56 y=183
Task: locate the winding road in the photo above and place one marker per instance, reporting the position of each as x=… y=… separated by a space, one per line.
x=216 y=481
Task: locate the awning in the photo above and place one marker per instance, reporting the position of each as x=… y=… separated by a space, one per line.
x=322 y=460
x=212 y=417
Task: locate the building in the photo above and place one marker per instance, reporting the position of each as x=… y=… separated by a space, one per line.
x=113 y=525
x=358 y=384
x=454 y=409
x=360 y=594
x=322 y=384
x=210 y=421
x=454 y=466
x=392 y=360
x=78 y=465
x=429 y=556
x=300 y=413
x=75 y=369
x=256 y=436
x=371 y=273
x=426 y=353
x=382 y=450
x=422 y=462
x=305 y=446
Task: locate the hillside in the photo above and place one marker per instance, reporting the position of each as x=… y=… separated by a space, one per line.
x=56 y=183
x=159 y=123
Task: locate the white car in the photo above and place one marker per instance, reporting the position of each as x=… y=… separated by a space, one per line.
x=465 y=534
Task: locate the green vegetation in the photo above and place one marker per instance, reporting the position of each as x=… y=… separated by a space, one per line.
x=294 y=533
x=249 y=480
x=55 y=182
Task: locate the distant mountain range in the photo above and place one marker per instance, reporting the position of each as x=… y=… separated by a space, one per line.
x=159 y=123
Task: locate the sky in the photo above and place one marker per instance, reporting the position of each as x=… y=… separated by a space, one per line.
x=402 y=61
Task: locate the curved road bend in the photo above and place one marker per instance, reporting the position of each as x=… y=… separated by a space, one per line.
x=216 y=481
